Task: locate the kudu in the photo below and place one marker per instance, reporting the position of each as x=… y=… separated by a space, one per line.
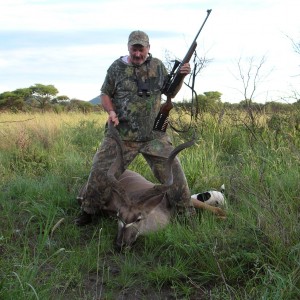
x=140 y=205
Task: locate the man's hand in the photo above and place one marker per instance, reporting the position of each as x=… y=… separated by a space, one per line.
x=113 y=117
x=185 y=69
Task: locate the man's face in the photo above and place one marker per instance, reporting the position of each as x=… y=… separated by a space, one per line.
x=138 y=54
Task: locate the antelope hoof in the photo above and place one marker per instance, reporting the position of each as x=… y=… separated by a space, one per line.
x=83 y=219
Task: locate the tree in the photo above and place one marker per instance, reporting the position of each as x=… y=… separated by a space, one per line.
x=24 y=93
x=209 y=101
x=249 y=73
x=11 y=100
x=250 y=76
x=296 y=45
x=81 y=105
x=43 y=94
x=63 y=99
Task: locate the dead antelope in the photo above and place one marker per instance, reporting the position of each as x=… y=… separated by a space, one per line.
x=140 y=205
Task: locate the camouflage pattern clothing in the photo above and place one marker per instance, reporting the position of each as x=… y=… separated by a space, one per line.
x=136 y=115
x=123 y=83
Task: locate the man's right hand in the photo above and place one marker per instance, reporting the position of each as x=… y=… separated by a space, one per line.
x=113 y=117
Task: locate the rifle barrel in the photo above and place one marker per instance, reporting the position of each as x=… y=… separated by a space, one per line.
x=208 y=13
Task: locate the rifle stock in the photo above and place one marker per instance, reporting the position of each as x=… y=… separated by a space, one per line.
x=173 y=82
x=162 y=120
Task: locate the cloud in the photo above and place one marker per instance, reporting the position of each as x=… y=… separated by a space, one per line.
x=72 y=43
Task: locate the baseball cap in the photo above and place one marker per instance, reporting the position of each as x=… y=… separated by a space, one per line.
x=138 y=37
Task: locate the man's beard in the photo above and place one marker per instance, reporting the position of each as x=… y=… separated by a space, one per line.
x=137 y=61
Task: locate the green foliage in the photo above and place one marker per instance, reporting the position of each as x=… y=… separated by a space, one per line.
x=43 y=94
x=41 y=90
x=253 y=254
x=42 y=98
x=12 y=101
x=209 y=101
x=82 y=106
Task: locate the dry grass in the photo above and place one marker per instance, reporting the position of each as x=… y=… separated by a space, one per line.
x=19 y=130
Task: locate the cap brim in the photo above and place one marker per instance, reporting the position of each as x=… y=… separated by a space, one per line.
x=136 y=42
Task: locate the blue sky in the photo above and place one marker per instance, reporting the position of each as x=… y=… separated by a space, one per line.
x=70 y=44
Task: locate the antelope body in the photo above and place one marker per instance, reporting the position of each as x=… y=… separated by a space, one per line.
x=157 y=210
x=140 y=216
x=140 y=205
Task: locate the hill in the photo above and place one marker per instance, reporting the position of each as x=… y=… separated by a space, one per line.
x=96 y=100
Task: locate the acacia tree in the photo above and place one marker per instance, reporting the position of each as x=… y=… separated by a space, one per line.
x=63 y=99
x=43 y=94
x=15 y=100
x=10 y=100
x=209 y=101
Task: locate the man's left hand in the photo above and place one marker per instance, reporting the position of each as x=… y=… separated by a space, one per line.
x=185 y=69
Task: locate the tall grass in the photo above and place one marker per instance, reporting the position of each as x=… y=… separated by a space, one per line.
x=253 y=254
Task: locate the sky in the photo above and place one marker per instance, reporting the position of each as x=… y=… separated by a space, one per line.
x=71 y=43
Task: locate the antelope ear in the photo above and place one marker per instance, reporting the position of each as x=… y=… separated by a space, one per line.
x=151 y=203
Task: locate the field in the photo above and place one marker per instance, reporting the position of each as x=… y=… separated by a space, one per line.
x=253 y=254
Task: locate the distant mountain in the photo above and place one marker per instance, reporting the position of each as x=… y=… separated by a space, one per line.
x=96 y=100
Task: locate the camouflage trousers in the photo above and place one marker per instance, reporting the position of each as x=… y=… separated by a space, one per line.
x=97 y=190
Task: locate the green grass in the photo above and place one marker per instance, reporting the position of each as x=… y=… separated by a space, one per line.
x=253 y=254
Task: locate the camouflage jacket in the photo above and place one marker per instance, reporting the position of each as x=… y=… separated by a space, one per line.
x=123 y=83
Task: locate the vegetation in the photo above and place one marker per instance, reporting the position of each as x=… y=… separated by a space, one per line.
x=42 y=98
x=253 y=254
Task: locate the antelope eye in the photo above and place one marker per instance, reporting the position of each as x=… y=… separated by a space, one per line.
x=139 y=219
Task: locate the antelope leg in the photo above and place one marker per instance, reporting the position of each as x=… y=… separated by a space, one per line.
x=215 y=210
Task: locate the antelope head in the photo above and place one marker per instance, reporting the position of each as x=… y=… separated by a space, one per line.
x=137 y=208
x=139 y=217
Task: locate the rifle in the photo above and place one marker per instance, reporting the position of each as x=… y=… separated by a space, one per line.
x=172 y=82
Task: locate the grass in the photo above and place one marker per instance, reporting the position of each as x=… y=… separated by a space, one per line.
x=254 y=254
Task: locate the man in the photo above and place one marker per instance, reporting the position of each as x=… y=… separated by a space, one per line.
x=131 y=95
